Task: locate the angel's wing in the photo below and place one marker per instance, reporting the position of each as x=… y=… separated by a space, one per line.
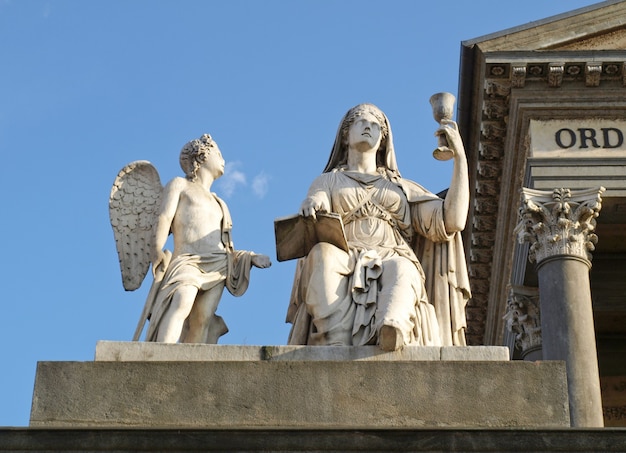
x=133 y=208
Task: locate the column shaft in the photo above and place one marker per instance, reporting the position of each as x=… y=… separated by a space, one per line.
x=568 y=333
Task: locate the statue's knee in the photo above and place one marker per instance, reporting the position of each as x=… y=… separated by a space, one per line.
x=400 y=270
x=321 y=250
x=183 y=298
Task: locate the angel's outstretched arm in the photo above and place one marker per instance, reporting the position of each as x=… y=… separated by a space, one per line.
x=167 y=211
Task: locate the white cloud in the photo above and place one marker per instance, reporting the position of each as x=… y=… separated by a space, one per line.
x=234 y=178
x=259 y=184
x=231 y=179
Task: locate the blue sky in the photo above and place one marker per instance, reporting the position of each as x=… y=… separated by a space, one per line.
x=89 y=86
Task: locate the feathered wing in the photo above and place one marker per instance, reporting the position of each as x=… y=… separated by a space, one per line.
x=133 y=209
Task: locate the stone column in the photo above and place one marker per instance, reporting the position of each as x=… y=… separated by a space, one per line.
x=523 y=319
x=559 y=226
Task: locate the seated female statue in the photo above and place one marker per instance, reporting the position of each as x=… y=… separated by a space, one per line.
x=404 y=279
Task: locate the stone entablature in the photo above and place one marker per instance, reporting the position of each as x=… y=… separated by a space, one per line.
x=552 y=81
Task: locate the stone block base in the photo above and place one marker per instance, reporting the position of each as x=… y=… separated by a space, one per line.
x=300 y=440
x=348 y=394
x=141 y=351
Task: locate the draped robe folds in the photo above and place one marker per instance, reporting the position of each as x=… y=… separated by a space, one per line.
x=344 y=298
x=229 y=267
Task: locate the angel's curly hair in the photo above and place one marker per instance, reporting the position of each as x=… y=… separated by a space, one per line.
x=194 y=153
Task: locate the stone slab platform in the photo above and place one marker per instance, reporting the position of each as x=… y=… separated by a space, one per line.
x=300 y=394
x=117 y=351
x=301 y=440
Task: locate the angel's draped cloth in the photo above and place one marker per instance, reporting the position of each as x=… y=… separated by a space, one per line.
x=229 y=267
x=402 y=269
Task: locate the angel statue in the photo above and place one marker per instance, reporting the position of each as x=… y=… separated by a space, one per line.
x=189 y=282
x=403 y=279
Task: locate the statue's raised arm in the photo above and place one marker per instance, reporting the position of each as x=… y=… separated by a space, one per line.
x=392 y=283
x=189 y=281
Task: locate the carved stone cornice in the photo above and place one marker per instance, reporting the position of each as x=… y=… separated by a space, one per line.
x=523 y=317
x=560 y=222
x=555 y=74
x=493 y=130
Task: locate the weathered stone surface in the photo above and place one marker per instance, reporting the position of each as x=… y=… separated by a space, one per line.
x=142 y=351
x=301 y=394
x=332 y=440
x=485 y=353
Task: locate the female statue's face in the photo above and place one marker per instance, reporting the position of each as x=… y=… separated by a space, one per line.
x=365 y=132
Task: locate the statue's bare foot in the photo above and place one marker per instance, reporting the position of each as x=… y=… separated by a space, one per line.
x=390 y=338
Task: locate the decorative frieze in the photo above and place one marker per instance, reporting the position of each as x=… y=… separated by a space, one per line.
x=561 y=222
x=523 y=317
x=536 y=70
x=573 y=70
x=554 y=73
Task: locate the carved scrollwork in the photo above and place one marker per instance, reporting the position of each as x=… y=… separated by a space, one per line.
x=593 y=72
x=555 y=74
x=518 y=76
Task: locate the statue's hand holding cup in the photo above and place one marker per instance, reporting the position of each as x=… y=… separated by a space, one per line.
x=443 y=109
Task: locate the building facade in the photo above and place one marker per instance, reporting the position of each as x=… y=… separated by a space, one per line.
x=543 y=107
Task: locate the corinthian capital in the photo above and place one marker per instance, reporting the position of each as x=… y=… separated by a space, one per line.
x=523 y=317
x=560 y=222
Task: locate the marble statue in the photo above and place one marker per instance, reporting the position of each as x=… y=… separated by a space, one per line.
x=404 y=279
x=188 y=283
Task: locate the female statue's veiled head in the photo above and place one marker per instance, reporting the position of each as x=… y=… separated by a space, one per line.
x=385 y=156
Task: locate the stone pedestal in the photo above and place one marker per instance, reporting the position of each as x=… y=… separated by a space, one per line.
x=140 y=351
x=280 y=388
x=559 y=225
